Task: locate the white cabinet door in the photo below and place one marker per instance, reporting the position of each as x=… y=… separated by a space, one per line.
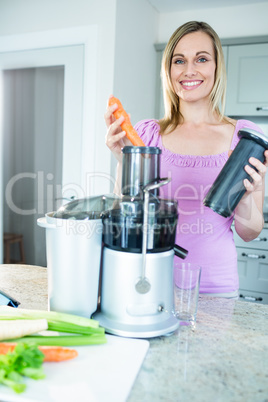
x=253 y=269
x=247 y=89
x=260 y=243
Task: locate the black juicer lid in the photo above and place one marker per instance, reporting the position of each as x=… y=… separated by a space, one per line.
x=250 y=134
x=159 y=208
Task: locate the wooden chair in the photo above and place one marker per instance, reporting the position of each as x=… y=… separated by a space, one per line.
x=12 y=238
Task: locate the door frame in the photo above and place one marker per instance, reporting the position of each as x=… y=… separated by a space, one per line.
x=80 y=128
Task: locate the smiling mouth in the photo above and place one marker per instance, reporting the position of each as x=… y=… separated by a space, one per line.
x=190 y=83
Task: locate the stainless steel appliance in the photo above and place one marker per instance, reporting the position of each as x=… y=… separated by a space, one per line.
x=127 y=242
x=139 y=247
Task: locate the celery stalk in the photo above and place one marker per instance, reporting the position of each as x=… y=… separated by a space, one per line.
x=86 y=331
x=6 y=311
x=75 y=329
x=64 y=340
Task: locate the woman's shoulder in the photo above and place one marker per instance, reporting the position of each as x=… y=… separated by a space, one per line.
x=242 y=123
x=239 y=125
x=148 y=130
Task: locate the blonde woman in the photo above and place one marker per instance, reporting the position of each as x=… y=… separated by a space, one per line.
x=196 y=139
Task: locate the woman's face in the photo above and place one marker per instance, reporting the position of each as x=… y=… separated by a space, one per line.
x=193 y=67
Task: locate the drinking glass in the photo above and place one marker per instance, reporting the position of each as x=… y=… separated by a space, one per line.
x=186 y=282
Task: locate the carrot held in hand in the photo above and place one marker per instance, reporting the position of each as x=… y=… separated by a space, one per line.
x=131 y=133
x=51 y=353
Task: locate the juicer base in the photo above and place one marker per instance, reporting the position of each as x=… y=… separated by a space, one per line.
x=137 y=331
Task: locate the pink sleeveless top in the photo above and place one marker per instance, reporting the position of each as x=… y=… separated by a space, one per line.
x=207 y=236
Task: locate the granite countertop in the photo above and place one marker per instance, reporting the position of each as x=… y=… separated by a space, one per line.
x=224 y=358
x=26 y=283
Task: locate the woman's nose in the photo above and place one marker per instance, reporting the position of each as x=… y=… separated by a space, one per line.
x=190 y=70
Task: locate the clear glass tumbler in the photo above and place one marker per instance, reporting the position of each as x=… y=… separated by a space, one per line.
x=186 y=282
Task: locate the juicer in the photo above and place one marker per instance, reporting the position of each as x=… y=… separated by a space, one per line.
x=136 y=298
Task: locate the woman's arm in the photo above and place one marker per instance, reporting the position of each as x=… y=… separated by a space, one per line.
x=249 y=212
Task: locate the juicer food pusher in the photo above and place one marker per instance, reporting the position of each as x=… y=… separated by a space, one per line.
x=123 y=309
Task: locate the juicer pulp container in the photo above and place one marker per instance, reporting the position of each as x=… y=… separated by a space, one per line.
x=73 y=249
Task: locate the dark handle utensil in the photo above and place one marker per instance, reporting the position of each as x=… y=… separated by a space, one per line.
x=180 y=252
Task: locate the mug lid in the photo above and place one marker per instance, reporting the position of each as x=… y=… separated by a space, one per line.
x=254 y=135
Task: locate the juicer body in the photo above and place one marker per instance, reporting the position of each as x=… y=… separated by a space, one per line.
x=126 y=312
x=136 y=298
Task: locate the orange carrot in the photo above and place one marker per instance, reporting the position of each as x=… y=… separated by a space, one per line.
x=131 y=133
x=57 y=353
x=51 y=353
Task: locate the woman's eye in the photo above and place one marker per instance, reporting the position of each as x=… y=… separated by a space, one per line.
x=202 y=60
x=179 y=61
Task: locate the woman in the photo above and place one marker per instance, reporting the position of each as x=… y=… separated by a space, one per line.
x=196 y=140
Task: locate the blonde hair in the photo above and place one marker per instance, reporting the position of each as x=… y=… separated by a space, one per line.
x=173 y=115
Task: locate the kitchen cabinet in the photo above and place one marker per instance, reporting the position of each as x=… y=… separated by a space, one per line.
x=247 y=84
x=252 y=258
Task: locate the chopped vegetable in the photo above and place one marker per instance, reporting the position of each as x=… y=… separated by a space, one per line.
x=57 y=353
x=80 y=330
x=7 y=312
x=51 y=353
x=131 y=133
x=14 y=329
x=63 y=340
x=25 y=360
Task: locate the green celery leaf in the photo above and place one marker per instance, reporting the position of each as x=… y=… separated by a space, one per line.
x=34 y=373
x=25 y=360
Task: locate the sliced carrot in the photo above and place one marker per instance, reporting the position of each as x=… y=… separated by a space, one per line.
x=51 y=353
x=131 y=133
x=57 y=353
x=6 y=347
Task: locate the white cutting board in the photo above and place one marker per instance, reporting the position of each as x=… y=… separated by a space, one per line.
x=100 y=373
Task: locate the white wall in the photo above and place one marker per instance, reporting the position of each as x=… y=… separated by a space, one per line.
x=127 y=30
x=37 y=15
x=235 y=21
x=135 y=59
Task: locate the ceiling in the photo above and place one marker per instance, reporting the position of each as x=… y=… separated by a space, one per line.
x=168 y=6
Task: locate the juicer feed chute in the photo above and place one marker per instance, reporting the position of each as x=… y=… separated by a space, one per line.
x=140 y=167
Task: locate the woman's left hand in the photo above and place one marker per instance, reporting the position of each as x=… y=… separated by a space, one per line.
x=257 y=176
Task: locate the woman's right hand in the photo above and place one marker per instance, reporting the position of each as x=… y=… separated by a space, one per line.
x=115 y=137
